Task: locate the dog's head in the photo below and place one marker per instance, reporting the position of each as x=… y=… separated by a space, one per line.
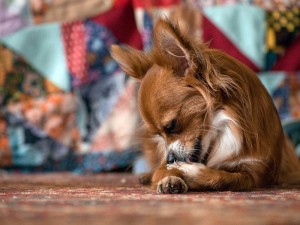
x=181 y=88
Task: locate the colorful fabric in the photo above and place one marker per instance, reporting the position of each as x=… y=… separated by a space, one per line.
x=239 y=24
x=265 y=4
x=290 y=59
x=66 y=105
x=14 y=15
x=47 y=56
x=114 y=133
x=285 y=90
x=5 y=148
x=74 y=42
x=282 y=28
x=217 y=39
x=125 y=31
x=67 y=10
x=61 y=110
x=38 y=119
x=23 y=81
x=275 y=46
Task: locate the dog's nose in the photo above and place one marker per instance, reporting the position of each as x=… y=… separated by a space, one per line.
x=171 y=158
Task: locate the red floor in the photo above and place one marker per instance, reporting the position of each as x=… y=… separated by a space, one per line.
x=118 y=199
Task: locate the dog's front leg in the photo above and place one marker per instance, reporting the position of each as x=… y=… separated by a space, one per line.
x=168 y=181
x=199 y=177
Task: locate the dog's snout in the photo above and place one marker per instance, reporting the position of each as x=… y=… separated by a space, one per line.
x=171 y=158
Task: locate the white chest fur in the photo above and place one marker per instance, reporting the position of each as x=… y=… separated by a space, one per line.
x=225 y=138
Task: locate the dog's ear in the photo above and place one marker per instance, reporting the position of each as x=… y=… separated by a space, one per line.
x=168 y=38
x=132 y=61
x=191 y=57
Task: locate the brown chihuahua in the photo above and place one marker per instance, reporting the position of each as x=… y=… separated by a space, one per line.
x=209 y=122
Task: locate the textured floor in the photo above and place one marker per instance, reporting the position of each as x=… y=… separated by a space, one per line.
x=118 y=199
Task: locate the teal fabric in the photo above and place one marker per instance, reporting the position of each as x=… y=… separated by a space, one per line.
x=244 y=25
x=271 y=80
x=43 y=48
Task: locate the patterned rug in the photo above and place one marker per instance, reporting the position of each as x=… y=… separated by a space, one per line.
x=117 y=198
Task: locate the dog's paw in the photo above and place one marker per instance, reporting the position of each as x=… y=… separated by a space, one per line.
x=145 y=178
x=171 y=185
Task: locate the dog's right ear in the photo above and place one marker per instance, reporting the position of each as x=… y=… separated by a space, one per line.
x=132 y=61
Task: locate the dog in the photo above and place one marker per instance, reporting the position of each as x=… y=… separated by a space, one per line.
x=210 y=124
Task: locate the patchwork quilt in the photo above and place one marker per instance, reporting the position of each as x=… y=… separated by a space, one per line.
x=66 y=105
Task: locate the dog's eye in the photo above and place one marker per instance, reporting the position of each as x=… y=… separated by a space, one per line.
x=171 y=127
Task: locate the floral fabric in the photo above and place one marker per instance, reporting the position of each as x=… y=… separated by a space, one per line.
x=83 y=116
x=46 y=127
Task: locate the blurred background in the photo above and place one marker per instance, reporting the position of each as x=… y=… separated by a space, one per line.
x=67 y=106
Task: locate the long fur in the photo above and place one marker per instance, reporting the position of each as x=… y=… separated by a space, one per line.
x=211 y=105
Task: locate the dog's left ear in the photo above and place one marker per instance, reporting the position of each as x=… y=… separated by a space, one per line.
x=169 y=39
x=132 y=61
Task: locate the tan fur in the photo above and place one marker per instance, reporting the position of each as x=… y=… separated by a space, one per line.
x=184 y=81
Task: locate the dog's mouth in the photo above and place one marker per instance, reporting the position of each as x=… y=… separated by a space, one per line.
x=192 y=157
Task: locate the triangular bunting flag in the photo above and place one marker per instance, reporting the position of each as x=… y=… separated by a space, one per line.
x=42 y=47
x=244 y=26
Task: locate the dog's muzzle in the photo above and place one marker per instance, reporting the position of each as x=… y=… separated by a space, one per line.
x=191 y=157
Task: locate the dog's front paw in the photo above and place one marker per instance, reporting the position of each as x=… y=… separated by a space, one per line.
x=171 y=185
x=145 y=178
